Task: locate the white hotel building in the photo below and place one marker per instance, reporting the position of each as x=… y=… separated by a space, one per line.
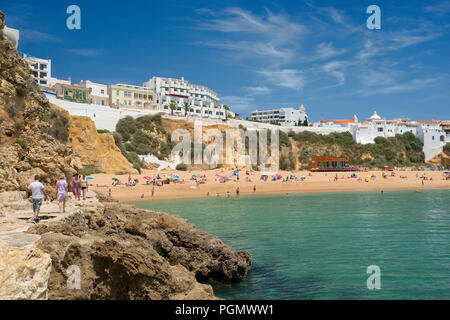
x=284 y=116
x=40 y=68
x=203 y=102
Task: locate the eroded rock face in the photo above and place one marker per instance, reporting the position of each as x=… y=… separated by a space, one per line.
x=127 y=253
x=24 y=273
x=33 y=134
x=97 y=150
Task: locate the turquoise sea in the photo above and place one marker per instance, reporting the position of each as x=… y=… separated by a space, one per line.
x=318 y=246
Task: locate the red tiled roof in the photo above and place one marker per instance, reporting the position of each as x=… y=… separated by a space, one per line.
x=426 y=122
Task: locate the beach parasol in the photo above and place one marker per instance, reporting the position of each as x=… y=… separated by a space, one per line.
x=293 y=176
x=446 y=172
x=194 y=176
x=147 y=178
x=278 y=176
x=237 y=171
x=115 y=179
x=89 y=178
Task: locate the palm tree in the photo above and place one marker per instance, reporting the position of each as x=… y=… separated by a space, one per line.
x=172 y=107
x=227 y=108
x=186 y=108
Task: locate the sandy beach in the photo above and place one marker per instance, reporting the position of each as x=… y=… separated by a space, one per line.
x=314 y=182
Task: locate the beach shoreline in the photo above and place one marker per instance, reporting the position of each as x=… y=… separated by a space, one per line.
x=317 y=182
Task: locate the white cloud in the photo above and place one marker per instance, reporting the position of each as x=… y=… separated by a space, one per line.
x=239 y=104
x=272 y=36
x=253 y=91
x=335 y=69
x=441 y=8
x=326 y=50
x=287 y=78
x=29 y=35
x=413 y=85
x=85 y=52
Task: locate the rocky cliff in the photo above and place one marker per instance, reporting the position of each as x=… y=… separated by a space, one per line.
x=33 y=134
x=127 y=253
x=121 y=252
x=97 y=150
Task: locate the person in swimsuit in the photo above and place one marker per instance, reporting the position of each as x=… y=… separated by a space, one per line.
x=84 y=186
x=61 y=187
x=76 y=187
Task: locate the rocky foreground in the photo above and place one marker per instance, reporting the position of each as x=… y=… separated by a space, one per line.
x=121 y=253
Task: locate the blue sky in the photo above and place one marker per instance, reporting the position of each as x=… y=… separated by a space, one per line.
x=257 y=54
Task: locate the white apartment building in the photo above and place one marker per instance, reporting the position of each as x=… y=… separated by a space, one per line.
x=201 y=101
x=99 y=92
x=284 y=116
x=40 y=68
x=432 y=137
x=429 y=133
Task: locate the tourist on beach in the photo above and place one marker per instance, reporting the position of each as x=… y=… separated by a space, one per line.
x=254 y=188
x=61 y=186
x=76 y=187
x=153 y=191
x=84 y=186
x=237 y=191
x=37 y=190
x=207 y=194
x=109 y=192
x=228 y=194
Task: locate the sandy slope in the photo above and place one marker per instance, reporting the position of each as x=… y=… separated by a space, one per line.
x=318 y=182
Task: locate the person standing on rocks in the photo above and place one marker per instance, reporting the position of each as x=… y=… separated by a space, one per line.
x=76 y=187
x=84 y=186
x=61 y=187
x=37 y=190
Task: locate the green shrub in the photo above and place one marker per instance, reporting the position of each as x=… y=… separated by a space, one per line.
x=447 y=149
x=88 y=170
x=126 y=127
x=22 y=144
x=181 y=167
x=101 y=131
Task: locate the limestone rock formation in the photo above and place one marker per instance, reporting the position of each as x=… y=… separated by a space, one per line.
x=33 y=134
x=24 y=273
x=441 y=159
x=128 y=253
x=97 y=150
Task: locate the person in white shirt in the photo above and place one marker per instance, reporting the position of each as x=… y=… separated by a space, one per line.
x=37 y=190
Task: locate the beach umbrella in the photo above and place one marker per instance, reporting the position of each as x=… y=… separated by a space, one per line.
x=237 y=171
x=293 y=176
x=147 y=178
x=194 y=176
x=446 y=172
x=89 y=178
x=278 y=176
x=115 y=179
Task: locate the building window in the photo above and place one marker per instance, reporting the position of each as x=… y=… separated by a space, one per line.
x=102 y=91
x=432 y=138
x=380 y=129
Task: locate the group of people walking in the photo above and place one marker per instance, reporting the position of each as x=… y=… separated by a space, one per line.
x=78 y=184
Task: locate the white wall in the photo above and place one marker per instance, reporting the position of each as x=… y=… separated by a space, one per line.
x=104 y=117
